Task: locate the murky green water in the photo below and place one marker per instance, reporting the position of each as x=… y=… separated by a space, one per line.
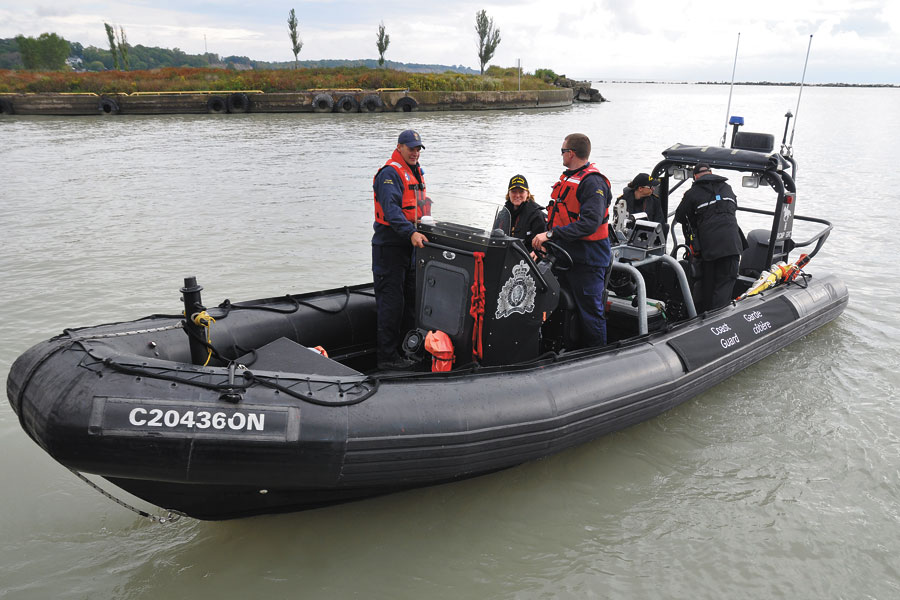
x=780 y=483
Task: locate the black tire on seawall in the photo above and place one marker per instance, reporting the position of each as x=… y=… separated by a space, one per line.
x=322 y=103
x=108 y=106
x=6 y=107
x=371 y=103
x=346 y=104
x=216 y=105
x=238 y=102
x=406 y=104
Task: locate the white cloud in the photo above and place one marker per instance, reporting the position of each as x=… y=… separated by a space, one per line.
x=854 y=40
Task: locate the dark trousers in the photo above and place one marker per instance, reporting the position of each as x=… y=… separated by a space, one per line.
x=717 y=282
x=586 y=285
x=395 y=297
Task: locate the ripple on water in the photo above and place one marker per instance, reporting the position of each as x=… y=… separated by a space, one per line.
x=778 y=483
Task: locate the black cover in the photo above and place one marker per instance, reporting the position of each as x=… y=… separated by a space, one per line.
x=726 y=158
x=290 y=357
x=715 y=339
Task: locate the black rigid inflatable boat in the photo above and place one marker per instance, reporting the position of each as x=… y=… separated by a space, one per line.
x=234 y=413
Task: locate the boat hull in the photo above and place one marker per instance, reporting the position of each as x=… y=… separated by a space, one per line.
x=123 y=402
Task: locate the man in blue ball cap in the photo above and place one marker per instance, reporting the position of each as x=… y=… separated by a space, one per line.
x=400 y=201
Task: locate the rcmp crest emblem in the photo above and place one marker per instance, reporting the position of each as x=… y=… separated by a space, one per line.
x=517 y=294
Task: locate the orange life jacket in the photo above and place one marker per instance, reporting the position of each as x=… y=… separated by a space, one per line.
x=565 y=208
x=414 y=203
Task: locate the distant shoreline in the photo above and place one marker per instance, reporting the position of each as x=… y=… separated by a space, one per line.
x=772 y=83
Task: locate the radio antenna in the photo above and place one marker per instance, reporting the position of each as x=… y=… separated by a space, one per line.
x=790 y=146
x=731 y=89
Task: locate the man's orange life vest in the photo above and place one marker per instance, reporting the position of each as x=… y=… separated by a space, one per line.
x=414 y=203
x=565 y=208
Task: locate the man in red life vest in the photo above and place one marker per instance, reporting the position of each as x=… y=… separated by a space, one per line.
x=400 y=201
x=577 y=219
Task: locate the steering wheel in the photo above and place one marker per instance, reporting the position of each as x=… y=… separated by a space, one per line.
x=560 y=259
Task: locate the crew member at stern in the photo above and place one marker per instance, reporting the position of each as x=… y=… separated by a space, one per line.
x=400 y=201
x=577 y=219
x=708 y=209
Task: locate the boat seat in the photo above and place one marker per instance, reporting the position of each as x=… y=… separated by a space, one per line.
x=753 y=259
x=571 y=325
x=562 y=328
x=669 y=292
x=749 y=140
x=290 y=357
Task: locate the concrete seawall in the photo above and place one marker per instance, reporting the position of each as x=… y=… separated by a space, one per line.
x=319 y=101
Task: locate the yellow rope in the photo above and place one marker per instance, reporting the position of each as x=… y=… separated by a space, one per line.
x=204 y=319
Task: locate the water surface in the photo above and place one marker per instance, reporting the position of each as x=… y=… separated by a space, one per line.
x=779 y=483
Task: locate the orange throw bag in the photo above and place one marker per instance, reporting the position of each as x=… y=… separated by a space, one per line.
x=441 y=348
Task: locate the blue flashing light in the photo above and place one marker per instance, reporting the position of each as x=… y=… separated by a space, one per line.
x=736 y=120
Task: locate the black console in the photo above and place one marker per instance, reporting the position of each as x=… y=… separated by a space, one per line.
x=462 y=266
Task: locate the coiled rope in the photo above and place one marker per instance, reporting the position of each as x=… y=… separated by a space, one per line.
x=204 y=319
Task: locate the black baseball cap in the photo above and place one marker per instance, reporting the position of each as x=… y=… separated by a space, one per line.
x=518 y=181
x=641 y=180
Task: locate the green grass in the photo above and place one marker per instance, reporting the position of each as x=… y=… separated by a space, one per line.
x=276 y=80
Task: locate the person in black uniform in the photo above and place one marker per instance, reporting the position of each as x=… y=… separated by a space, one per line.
x=527 y=219
x=640 y=196
x=708 y=210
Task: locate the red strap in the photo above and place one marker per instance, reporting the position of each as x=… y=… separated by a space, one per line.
x=477 y=307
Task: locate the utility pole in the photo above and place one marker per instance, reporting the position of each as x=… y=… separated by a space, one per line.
x=519 y=72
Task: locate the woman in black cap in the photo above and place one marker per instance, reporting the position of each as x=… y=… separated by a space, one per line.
x=526 y=217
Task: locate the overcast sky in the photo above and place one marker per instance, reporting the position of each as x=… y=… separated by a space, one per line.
x=855 y=41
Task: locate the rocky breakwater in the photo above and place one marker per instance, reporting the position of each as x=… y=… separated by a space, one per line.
x=582 y=90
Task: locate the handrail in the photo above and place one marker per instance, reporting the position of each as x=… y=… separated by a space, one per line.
x=450 y=249
x=638 y=279
x=819 y=237
x=686 y=293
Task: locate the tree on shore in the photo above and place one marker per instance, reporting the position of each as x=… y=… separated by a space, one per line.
x=296 y=42
x=488 y=37
x=383 y=41
x=46 y=53
x=122 y=44
x=111 y=36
